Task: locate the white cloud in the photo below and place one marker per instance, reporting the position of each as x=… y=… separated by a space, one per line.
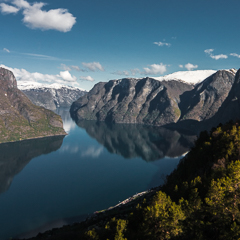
x=208 y=51
x=43 y=57
x=93 y=66
x=160 y=44
x=34 y=17
x=66 y=76
x=5 y=8
x=235 y=55
x=21 y=3
x=88 y=78
x=216 y=57
x=65 y=67
x=54 y=19
x=155 y=69
x=181 y=66
x=70 y=68
x=24 y=75
x=77 y=68
x=220 y=56
x=6 y=50
x=131 y=72
x=122 y=73
x=190 y=66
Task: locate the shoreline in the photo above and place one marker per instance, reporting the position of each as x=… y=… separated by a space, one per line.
x=32 y=138
x=60 y=224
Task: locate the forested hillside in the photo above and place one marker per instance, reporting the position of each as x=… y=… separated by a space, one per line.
x=200 y=199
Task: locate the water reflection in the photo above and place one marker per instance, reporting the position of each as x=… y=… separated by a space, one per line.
x=130 y=140
x=68 y=123
x=15 y=156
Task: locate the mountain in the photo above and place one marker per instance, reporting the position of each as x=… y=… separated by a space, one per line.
x=181 y=98
x=206 y=98
x=229 y=110
x=19 y=118
x=145 y=101
x=50 y=96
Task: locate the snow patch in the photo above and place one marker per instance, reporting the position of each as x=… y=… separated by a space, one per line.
x=191 y=77
x=27 y=85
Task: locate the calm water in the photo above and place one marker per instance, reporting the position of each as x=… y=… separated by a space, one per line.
x=53 y=181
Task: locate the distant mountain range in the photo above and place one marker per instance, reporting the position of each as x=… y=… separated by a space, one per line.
x=51 y=96
x=19 y=117
x=192 y=99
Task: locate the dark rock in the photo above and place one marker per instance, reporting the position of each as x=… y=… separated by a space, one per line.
x=148 y=101
x=145 y=101
x=207 y=97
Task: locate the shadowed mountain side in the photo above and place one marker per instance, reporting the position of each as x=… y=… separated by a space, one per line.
x=227 y=111
x=128 y=100
x=230 y=109
x=132 y=140
x=15 y=156
x=171 y=103
x=206 y=98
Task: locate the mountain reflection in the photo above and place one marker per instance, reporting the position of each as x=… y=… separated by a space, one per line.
x=130 y=140
x=68 y=123
x=15 y=156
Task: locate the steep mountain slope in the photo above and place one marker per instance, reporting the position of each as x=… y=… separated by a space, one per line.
x=230 y=109
x=19 y=118
x=164 y=101
x=50 y=96
x=205 y=99
x=127 y=100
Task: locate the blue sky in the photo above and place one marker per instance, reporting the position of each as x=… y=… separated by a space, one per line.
x=80 y=43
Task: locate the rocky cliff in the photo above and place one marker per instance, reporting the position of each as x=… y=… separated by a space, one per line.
x=207 y=97
x=51 y=96
x=155 y=102
x=19 y=118
x=145 y=101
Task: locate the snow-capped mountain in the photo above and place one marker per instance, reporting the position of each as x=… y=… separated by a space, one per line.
x=50 y=96
x=191 y=77
x=25 y=85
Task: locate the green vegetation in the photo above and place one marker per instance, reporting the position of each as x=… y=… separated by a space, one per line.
x=200 y=200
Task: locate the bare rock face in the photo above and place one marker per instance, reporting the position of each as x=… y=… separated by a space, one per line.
x=19 y=118
x=145 y=101
x=206 y=98
x=230 y=109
